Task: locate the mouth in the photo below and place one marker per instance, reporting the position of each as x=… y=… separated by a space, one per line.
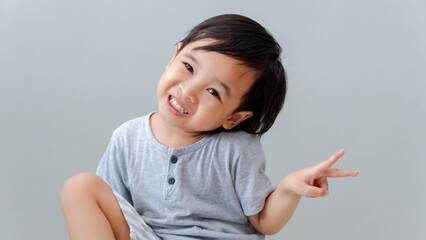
x=176 y=106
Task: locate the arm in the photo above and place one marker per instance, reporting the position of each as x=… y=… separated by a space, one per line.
x=278 y=209
x=309 y=182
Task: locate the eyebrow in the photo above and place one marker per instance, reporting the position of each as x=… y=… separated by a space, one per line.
x=190 y=56
x=226 y=87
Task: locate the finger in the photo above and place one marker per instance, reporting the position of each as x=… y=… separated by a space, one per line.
x=332 y=160
x=336 y=173
x=323 y=184
x=312 y=192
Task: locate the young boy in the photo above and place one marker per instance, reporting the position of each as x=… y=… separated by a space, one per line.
x=195 y=168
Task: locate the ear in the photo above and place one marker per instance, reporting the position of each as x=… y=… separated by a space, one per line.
x=178 y=45
x=236 y=118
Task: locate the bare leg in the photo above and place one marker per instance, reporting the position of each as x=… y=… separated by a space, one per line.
x=91 y=210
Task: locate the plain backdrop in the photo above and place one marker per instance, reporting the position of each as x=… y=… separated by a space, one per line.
x=73 y=71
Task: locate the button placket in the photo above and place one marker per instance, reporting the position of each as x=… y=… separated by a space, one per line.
x=171 y=177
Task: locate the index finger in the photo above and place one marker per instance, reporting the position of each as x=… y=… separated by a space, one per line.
x=332 y=160
x=338 y=173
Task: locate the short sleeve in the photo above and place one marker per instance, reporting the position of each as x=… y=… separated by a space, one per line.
x=252 y=184
x=112 y=167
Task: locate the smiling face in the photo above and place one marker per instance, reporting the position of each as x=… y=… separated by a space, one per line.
x=200 y=90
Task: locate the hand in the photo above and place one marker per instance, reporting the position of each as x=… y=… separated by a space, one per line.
x=312 y=182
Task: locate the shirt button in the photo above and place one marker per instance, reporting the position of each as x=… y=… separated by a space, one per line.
x=173 y=159
x=171 y=181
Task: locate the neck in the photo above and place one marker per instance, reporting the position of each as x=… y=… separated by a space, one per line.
x=171 y=136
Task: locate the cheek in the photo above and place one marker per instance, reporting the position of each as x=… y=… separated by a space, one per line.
x=160 y=87
x=170 y=78
x=164 y=83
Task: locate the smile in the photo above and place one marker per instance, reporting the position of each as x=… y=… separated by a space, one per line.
x=176 y=106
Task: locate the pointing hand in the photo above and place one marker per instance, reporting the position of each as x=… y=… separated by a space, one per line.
x=312 y=181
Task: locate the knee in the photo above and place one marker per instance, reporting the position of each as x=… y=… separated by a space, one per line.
x=79 y=185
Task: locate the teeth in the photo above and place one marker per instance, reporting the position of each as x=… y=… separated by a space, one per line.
x=177 y=106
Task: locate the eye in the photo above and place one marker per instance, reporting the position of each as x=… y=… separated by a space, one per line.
x=189 y=67
x=214 y=93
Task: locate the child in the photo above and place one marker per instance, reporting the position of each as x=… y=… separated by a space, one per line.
x=195 y=169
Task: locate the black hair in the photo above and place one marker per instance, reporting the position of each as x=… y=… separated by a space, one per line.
x=247 y=41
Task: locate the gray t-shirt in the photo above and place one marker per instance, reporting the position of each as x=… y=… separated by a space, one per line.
x=204 y=190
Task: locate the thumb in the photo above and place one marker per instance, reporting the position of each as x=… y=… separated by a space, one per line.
x=312 y=192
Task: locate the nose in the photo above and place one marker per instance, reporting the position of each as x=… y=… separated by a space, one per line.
x=190 y=91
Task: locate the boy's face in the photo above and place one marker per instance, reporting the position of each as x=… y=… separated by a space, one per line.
x=200 y=90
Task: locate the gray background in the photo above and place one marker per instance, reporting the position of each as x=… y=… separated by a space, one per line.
x=72 y=71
